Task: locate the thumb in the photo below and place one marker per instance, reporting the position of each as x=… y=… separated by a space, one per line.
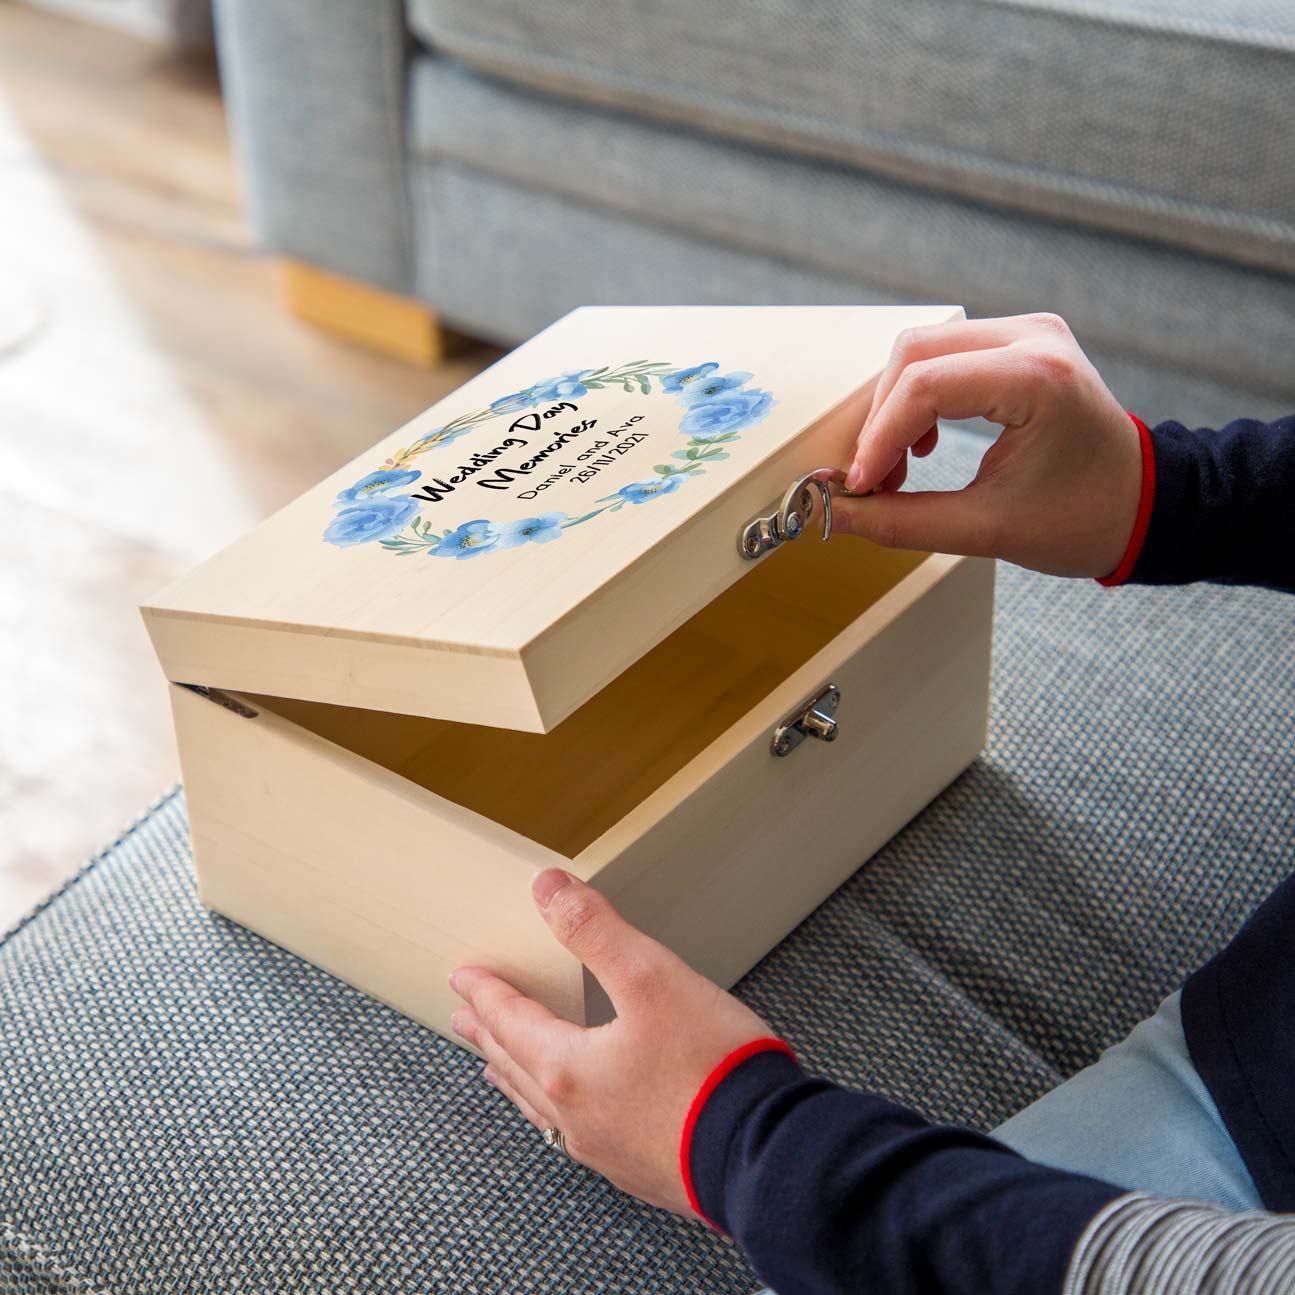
x=623 y=959
x=941 y=521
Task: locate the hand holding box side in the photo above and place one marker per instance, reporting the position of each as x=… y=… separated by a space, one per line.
x=620 y=1093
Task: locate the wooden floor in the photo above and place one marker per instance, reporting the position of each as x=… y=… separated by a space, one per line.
x=162 y=403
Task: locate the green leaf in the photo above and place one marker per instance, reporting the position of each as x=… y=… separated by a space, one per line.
x=575 y=521
x=664 y=469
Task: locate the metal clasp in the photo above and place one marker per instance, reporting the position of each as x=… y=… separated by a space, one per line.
x=221 y=699
x=812 y=718
x=766 y=531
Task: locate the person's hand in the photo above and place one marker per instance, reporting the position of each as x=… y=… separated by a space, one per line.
x=619 y=1092
x=1057 y=491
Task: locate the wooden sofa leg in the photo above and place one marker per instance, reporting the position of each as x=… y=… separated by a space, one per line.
x=381 y=320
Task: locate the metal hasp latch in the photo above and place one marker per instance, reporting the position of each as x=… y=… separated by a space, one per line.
x=221 y=699
x=765 y=532
x=812 y=718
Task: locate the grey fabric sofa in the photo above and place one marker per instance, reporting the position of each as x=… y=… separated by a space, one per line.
x=1128 y=163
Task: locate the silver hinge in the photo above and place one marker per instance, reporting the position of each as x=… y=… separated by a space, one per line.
x=812 y=718
x=222 y=699
x=787 y=519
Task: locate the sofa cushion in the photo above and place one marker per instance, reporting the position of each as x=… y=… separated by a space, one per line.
x=890 y=240
x=185 y=1106
x=548 y=254
x=1165 y=118
x=312 y=92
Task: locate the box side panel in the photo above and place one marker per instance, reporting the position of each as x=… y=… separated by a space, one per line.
x=366 y=875
x=757 y=844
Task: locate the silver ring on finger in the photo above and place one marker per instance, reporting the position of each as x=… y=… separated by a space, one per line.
x=553 y=1138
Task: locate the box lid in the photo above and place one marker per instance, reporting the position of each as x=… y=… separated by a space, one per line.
x=502 y=557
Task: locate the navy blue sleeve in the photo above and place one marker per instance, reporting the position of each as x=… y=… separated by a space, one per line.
x=1237 y=1014
x=1224 y=506
x=828 y=1190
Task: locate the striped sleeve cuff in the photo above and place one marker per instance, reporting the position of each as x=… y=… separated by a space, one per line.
x=1146 y=1245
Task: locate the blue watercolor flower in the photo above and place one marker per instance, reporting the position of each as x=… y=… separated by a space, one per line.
x=566 y=386
x=374 y=519
x=388 y=481
x=707 y=388
x=530 y=530
x=469 y=541
x=641 y=491
x=727 y=412
x=517 y=398
x=684 y=378
x=440 y=436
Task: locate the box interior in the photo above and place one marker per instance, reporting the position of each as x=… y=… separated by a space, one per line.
x=565 y=788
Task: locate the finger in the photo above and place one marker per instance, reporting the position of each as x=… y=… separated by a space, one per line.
x=975 y=384
x=626 y=962
x=920 y=448
x=930 y=340
x=496 y=1080
x=927 y=443
x=896 y=477
x=526 y=1030
x=468 y=1025
x=937 y=521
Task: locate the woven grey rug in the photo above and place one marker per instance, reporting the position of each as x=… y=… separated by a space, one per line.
x=186 y=1108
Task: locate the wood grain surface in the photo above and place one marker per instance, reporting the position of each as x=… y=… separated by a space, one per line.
x=389 y=851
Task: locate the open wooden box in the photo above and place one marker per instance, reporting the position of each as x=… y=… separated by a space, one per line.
x=382 y=740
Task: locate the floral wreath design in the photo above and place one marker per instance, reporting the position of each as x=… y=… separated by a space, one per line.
x=717 y=409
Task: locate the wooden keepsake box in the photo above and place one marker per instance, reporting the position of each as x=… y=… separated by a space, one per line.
x=577 y=613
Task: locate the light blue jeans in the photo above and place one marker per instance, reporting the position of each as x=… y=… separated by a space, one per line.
x=1139 y=1117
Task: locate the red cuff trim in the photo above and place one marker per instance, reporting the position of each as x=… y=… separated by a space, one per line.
x=713 y=1081
x=1145 y=500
